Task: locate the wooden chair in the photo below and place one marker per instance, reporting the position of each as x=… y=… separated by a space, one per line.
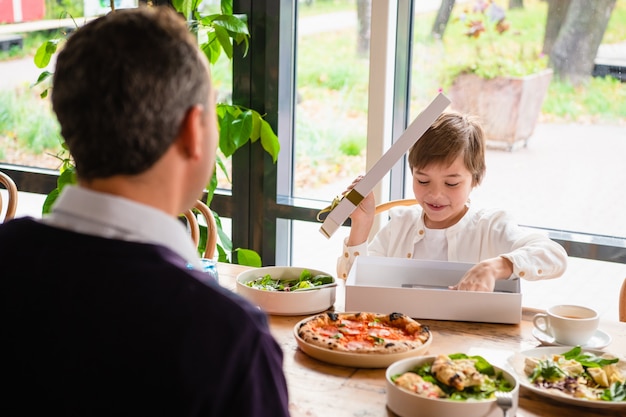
x=12 y=203
x=622 y=302
x=205 y=211
x=386 y=206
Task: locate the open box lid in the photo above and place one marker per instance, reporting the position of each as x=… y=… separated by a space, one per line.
x=418 y=288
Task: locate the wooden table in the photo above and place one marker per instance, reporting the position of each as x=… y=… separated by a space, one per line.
x=320 y=389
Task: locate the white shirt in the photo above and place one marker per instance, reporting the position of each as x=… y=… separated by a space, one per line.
x=99 y=214
x=434 y=246
x=479 y=235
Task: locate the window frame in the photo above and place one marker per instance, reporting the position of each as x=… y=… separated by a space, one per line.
x=260 y=204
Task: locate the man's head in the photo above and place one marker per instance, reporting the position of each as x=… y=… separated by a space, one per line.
x=124 y=84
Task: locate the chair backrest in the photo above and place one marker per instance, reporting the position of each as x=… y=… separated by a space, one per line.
x=394 y=203
x=12 y=203
x=211 y=243
x=622 y=302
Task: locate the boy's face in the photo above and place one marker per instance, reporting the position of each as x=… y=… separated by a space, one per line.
x=442 y=192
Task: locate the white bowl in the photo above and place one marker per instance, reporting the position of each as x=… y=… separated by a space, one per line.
x=281 y=302
x=408 y=404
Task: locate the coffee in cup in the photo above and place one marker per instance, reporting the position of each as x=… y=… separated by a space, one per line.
x=568 y=324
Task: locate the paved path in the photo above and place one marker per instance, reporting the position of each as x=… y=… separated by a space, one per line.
x=20 y=73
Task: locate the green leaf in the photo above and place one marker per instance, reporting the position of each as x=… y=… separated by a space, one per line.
x=223 y=169
x=211 y=188
x=548 y=370
x=255 y=133
x=481 y=364
x=248 y=257
x=44 y=53
x=616 y=392
x=243 y=123
x=588 y=360
x=572 y=353
x=42 y=77
x=224 y=40
x=236 y=25
x=235 y=127
x=226 y=6
x=212 y=48
x=269 y=140
x=68 y=176
x=187 y=7
x=227 y=134
x=221 y=255
x=50 y=199
x=225 y=241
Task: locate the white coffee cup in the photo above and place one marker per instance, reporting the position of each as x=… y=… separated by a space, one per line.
x=569 y=324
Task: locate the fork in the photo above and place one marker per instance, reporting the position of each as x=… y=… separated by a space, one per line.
x=504 y=401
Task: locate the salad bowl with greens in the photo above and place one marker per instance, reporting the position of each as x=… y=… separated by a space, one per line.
x=448 y=385
x=288 y=290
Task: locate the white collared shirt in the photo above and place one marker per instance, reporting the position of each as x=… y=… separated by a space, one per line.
x=480 y=234
x=99 y=214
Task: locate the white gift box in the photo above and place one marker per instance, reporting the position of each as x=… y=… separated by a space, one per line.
x=418 y=289
x=339 y=214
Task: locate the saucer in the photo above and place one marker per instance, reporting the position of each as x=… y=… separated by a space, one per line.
x=598 y=341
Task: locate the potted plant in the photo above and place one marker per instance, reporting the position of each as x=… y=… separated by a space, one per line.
x=237 y=125
x=501 y=80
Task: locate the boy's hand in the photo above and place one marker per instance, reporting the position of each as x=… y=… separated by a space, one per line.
x=362 y=218
x=483 y=276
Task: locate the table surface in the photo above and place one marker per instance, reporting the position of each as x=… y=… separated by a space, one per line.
x=320 y=389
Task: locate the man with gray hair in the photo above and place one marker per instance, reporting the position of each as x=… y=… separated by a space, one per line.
x=105 y=308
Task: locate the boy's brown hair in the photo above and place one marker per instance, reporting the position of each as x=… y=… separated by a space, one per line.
x=451 y=135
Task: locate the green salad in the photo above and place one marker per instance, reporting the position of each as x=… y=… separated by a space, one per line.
x=579 y=374
x=306 y=280
x=457 y=377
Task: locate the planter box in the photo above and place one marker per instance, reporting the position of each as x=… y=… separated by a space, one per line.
x=418 y=288
x=508 y=107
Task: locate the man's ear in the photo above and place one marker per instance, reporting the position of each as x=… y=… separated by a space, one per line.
x=191 y=132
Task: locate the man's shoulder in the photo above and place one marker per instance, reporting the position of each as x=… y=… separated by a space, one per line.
x=23 y=229
x=150 y=275
x=19 y=223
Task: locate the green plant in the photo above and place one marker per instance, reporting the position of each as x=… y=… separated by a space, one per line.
x=498 y=50
x=27 y=119
x=217 y=34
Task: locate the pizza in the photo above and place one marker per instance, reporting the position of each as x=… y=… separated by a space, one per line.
x=364 y=332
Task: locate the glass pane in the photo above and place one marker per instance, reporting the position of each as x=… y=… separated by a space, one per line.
x=29 y=132
x=332 y=81
x=311 y=249
x=567 y=174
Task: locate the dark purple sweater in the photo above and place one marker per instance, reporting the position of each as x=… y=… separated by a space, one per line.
x=100 y=327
